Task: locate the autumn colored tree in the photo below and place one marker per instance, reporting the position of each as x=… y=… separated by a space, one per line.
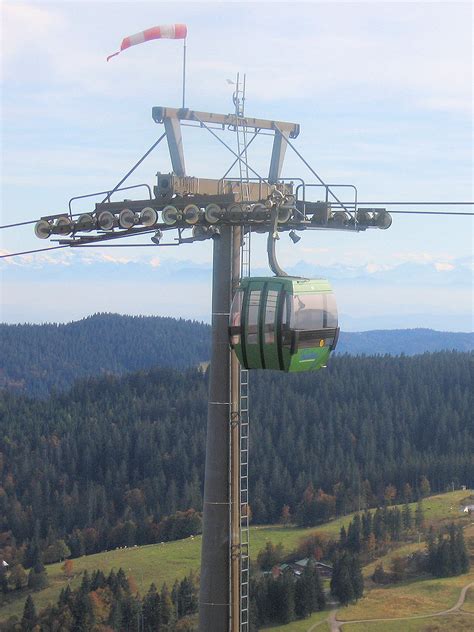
x=285 y=515
x=390 y=493
x=425 y=487
x=68 y=568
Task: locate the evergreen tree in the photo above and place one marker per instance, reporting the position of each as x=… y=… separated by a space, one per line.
x=187 y=596
x=37 y=579
x=343 y=537
x=303 y=595
x=461 y=552
x=29 y=618
x=115 y=617
x=286 y=609
x=354 y=534
x=318 y=596
x=167 y=609
x=151 y=610
x=420 y=516
x=367 y=526
x=82 y=612
x=347 y=582
x=341 y=583
x=407 y=517
x=356 y=577
x=269 y=556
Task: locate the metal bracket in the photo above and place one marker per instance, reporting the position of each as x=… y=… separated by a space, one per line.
x=235 y=419
x=175 y=144
x=272 y=238
x=278 y=155
x=235 y=551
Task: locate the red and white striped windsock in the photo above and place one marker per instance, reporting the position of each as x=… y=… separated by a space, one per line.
x=168 y=31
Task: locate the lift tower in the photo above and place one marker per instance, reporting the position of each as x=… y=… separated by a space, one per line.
x=220 y=210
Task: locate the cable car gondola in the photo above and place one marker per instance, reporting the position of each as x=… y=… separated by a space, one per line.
x=283 y=323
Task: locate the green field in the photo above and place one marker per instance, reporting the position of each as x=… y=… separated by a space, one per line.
x=316 y=621
x=172 y=560
x=159 y=562
x=468 y=605
x=448 y=623
x=420 y=597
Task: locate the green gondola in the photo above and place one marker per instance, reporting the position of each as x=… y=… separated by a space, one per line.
x=283 y=323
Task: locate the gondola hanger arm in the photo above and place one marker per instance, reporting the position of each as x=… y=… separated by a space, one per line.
x=271 y=241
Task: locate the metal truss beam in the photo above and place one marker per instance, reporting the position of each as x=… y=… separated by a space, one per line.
x=160 y=113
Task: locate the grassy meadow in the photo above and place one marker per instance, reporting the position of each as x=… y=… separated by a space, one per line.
x=166 y=562
x=448 y=623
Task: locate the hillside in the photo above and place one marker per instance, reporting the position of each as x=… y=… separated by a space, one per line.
x=103 y=464
x=39 y=358
x=172 y=560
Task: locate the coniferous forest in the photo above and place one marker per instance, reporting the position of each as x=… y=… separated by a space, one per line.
x=37 y=359
x=118 y=461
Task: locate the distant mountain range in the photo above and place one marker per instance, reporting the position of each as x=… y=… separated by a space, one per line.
x=38 y=358
x=410 y=291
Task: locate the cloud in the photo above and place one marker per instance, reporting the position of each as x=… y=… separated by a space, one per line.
x=23 y=25
x=364 y=52
x=444 y=267
x=371 y=268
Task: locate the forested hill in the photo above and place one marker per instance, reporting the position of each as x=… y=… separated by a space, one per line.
x=103 y=464
x=38 y=358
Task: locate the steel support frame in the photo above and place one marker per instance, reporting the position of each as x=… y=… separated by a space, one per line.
x=175 y=144
x=278 y=155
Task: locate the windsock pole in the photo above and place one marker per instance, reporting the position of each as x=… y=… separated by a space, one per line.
x=184 y=70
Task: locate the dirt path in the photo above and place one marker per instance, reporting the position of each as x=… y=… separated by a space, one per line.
x=336 y=625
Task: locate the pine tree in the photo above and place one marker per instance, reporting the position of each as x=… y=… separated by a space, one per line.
x=419 y=516
x=29 y=618
x=443 y=557
x=303 y=593
x=318 y=589
x=366 y=525
x=341 y=583
x=407 y=518
x=151 y=610
x=187 y=596
x=167 y=610
x=356 y=577
x=432 y=552
x=287 y=598
x=354 y=535
x=115 y=617
x=347 y=583
x=461 y=551
x=82 y=612
x=343 y=537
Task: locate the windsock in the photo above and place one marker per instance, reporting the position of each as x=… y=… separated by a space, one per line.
x=169 y=31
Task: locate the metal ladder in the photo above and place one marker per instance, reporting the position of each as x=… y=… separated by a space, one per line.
x=239 y=103
x=244 y=465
